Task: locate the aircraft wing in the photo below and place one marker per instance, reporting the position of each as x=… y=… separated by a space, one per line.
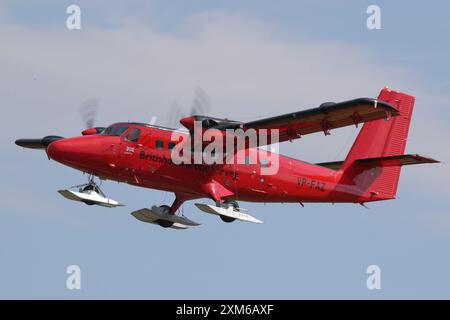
x=324 y=118
x=293 y=125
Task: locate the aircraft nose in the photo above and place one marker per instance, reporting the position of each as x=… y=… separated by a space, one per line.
x=59 y=150
x=79 y=152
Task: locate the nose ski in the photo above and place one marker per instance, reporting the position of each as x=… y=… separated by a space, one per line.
x=90 y=194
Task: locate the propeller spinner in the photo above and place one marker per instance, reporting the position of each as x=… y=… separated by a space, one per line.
x=88 y=112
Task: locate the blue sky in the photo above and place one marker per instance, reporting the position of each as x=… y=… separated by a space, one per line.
x=253 y=58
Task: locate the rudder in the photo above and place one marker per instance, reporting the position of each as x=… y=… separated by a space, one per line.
x=380 y=138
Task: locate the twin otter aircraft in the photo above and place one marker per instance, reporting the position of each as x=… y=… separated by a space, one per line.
x=142 y=155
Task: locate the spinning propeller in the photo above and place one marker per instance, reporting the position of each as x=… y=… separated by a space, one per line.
x=200 y=105
x=88 y=112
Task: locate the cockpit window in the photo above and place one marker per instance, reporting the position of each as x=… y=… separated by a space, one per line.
x=133 y=135
x=115 y=130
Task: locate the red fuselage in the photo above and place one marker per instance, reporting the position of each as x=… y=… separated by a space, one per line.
x=145 y=161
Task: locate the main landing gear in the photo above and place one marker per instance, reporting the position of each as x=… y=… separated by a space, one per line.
x=228 y=211
x=165 y=216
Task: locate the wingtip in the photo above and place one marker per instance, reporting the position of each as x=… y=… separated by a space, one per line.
x=390 y=110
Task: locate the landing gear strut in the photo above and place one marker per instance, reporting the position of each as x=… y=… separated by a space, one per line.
x=91 y=186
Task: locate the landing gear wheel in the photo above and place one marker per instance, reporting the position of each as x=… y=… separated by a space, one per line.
x=227 y=219
x=165 y=223
x=228 y=203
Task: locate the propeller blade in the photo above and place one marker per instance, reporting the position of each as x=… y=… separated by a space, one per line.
x=201 y=105
x=88 y=111
x=174 y=115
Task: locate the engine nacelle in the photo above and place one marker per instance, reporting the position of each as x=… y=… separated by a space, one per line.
x=92 y=131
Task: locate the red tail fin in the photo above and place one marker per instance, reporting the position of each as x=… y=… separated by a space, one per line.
x=380 y=138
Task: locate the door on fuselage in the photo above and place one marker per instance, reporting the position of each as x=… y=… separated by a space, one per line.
x=112 y=149
x=131 y=145
x=256 y=174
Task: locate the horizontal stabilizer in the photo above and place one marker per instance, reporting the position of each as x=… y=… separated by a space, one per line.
x=393 y=161
x=335 y=165
x=390 y=161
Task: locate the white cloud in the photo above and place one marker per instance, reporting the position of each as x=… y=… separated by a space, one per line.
x=246 y=69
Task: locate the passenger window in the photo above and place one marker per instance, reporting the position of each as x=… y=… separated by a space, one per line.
x=264 y=163
x=159 y=144
x=171 y=145
x=133 y=135
x=248 y=160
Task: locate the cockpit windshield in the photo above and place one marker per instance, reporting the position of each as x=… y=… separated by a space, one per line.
x=115 y=130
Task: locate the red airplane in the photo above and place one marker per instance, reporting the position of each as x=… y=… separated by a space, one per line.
x=141 y=155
